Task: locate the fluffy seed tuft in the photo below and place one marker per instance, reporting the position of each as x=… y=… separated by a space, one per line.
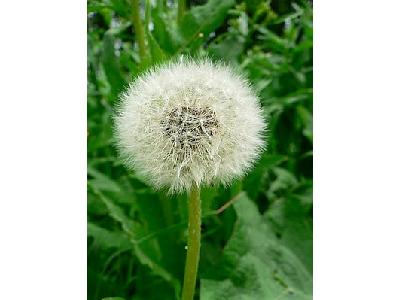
x=189 y=122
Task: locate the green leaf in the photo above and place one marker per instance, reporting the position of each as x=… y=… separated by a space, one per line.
x=147 y=251
x=165 y=31
x=98 y=283
x=229 y=48
x=122 y=8
x=290 y=219
x=101 y=181
x=254 y=182
x=275 y=42
x=111 y=66
x=157 y=54
x=157 y=215
x=107 y=239
x=256 y=264
x=307 y=122
x=200 y=21
x=284 y=182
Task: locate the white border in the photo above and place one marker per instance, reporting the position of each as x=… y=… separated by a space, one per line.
x=43 y=150
x=357 y=150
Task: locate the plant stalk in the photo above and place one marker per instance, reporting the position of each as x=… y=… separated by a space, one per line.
x=139 y=31
x=193 y=247
x=181 y=9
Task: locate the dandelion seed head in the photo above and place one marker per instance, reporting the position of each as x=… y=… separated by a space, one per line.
x=189 y=122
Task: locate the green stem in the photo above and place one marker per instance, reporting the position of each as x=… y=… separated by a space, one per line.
x=181 y=9
x=139 y=31
x=193 y=248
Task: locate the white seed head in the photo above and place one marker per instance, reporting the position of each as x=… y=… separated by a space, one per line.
x=189 y=122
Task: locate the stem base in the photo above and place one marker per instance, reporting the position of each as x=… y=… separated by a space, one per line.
x=193 y=250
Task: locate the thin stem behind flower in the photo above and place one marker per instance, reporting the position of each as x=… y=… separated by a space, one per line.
x=139 y=31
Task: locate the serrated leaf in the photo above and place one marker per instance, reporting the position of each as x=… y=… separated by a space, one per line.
x=256 y=264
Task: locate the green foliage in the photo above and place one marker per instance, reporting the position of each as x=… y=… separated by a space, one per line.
x=200 y=21
x=257 y=248
x=257 y=264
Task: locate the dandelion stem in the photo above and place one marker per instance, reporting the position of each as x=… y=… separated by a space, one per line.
x=181 y=9
x=193 y=250
x=139 y=31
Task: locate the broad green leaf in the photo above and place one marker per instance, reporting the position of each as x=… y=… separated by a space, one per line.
x=284 y=181
x=229 y=48
x=165 y=31
x=256 y=264
x=157 y=54
x=122 y=7
x=254 y=182
x=201 y=20
x=148 y=251
x=290 y=219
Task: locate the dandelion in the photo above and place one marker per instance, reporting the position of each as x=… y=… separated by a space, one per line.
x=187 y=124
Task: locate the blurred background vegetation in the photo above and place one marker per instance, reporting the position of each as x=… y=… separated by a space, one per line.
x=259 y=246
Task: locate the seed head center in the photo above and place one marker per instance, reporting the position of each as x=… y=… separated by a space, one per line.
x=188 y=126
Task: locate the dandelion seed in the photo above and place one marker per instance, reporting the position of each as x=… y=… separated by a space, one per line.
x=189 y=122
